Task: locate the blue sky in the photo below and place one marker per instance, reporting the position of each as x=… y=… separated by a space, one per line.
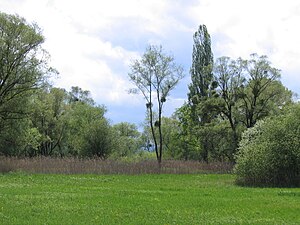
x=93 y=42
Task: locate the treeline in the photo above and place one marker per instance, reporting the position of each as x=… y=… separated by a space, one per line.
x=226 y=96
x=62 y=123
x=37 y=119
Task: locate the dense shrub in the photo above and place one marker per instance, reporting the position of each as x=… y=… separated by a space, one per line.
x=269 y=153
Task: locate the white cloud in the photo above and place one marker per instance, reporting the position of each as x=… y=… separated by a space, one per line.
x=266 y=27
x=81 y=58
x=92 y=42
x=173 y=104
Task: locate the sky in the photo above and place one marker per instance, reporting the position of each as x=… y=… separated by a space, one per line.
x=93 y=42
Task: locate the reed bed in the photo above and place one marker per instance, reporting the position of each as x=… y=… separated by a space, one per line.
x=49 y=165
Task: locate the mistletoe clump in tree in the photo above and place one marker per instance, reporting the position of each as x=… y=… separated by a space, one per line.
x=155 y=75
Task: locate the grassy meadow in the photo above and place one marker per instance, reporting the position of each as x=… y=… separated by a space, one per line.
x=142 y=199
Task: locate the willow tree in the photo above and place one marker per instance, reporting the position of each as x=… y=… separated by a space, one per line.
x=263 y=93
x=23 y=64
x=23 y=69
x=155 y=74
x=230 y=79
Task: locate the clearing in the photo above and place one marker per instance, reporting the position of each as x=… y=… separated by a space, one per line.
x=142 y=199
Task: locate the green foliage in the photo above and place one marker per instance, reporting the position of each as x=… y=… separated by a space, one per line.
x=127 y=139
x=98 y=139
x=263 y=93
x=202 y=64
x=23 y=65
x=87 y=129
x=33 y=140
x=202 y=85
x=144 y=199
x=23 y=70
x=36 y=119
x=269 y=153
x=225 y=98
x=187 y=137
x=58 y=126
x=77 y=94
x=14 y=137
x=155 y=75
x=48 y=117
x=206 y=112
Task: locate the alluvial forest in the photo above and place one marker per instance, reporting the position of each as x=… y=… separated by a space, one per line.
x=237 y=112
x=229 y=155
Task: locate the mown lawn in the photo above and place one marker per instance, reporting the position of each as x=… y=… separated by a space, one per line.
x=142 y=199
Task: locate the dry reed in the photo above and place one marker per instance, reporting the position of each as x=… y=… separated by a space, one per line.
x=98 y=166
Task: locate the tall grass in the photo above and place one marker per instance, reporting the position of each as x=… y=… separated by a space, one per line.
x=98 y=166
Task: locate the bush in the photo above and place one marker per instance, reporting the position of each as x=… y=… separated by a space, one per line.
x=269 y=153
x=98 y=140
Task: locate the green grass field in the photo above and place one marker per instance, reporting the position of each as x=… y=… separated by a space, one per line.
x=142 y=199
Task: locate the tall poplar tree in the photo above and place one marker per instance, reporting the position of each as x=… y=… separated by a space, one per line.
x=201 y=88
x=201 y=72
